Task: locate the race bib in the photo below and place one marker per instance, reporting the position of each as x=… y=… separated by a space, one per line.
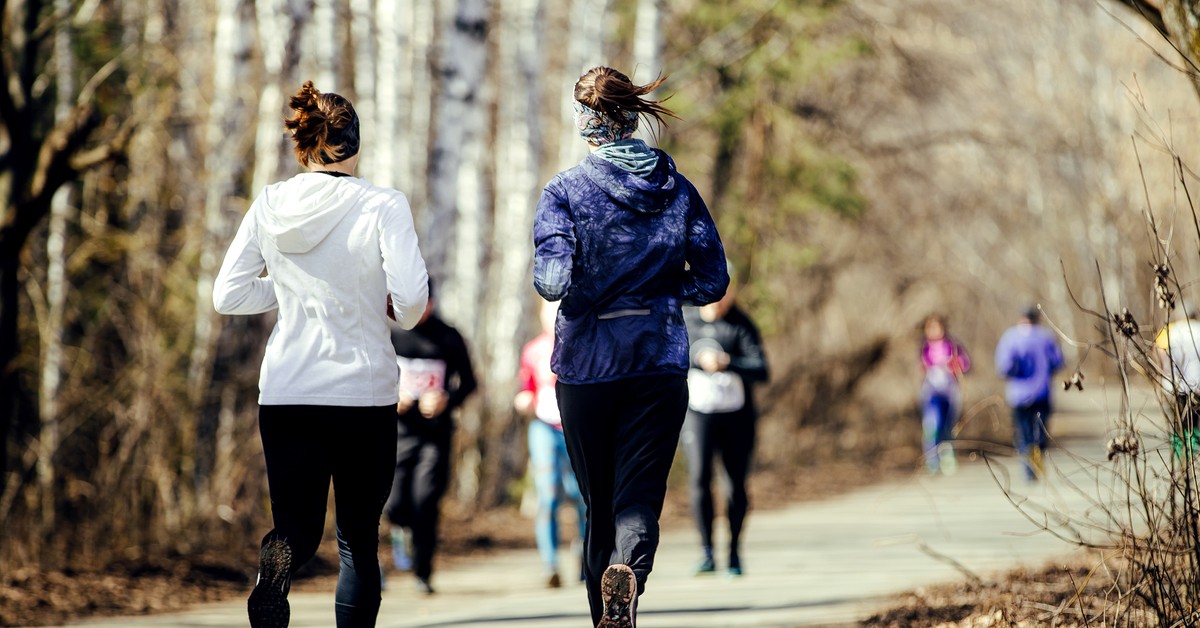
x=715 y=393
x=419 y=376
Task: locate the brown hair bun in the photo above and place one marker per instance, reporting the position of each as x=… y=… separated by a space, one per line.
x=324 y=127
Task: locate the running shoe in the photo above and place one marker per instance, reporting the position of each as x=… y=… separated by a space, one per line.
x=618 y=590
x=424 y=586
x=705 y=566
x=268 y=605
x=1036 y=463
x=735 y=566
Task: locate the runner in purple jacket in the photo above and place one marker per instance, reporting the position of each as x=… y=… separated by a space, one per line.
x=1027 y=355
x=624 y=241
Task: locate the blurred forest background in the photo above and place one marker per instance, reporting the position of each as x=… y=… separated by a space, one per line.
x=868 y=162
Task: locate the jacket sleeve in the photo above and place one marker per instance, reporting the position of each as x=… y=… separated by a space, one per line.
x=1056 y=354
x=407 y=278
x=1004 y=357
x=706 y=277
x=554 y=245
x=459 y=362
x=240 y=287
x=964 y=358
x=750 y=362
x=526 y=373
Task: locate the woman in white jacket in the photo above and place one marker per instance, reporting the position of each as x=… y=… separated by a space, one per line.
x=340 y=254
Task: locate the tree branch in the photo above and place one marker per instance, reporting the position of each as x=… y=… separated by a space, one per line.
x=1151 y=11
x=8 y=107
x=112 y=149
x=61 y=144
x=27 y=66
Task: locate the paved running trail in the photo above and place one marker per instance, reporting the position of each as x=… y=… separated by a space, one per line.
x=830 y=562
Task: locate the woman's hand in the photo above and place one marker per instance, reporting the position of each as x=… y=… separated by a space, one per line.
x=433 y=403
x=524 y=402
x=713 y=361
x=405 y=404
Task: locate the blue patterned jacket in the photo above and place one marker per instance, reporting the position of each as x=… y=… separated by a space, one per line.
x=624 y=253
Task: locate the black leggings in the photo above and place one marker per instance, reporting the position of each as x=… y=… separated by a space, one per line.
x=305 y=448
x=422 y=474
x=621 y=438
x=732 y=435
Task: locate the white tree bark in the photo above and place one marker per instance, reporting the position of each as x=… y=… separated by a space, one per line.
x=388 y=136
x=648 y=44
x=585 y=51
x=518 y=164
x=420 y=106
x=455 y=217
x=362 y=28
x=226 y=119
x=460 y=116
x=56 y=288
x=280 y=25
x=324 y=45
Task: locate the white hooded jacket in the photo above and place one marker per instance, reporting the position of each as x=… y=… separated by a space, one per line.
x=334 y=248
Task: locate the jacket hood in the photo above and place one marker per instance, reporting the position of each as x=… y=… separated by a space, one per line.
x=301 y=212
x=649 y=194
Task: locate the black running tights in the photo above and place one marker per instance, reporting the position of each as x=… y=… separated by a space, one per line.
x=306 y=447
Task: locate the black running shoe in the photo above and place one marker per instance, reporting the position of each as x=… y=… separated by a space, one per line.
x=618 y=588
x=268 y=605
x=424 y=586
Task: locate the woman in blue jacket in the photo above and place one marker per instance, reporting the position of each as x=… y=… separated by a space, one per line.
x=624 y=241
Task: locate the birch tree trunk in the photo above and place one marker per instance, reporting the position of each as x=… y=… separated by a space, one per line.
x=648 y=41
x=455 y=216
x=226 y=121
x=585 y=51
x=52 y=328
x=517 y=155
x=460 y=115
x=324 y=45
x=362 y=28
x=280 y=25
x=648 y=44
x=421 y=104
x=387 y=136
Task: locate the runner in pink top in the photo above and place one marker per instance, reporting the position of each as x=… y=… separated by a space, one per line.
x=944 y=361
x=548 y=461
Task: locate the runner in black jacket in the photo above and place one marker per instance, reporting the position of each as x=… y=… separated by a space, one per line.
x=726 y=360
x=435 y=379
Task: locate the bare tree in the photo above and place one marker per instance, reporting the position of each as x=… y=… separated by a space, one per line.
x=518 y=159
x=226 y=121
x=37 y=157
x=460 y=115
x=280 y=25
x=648 y=41
x=1179 y=22
x=393 y=22
x=585 y=49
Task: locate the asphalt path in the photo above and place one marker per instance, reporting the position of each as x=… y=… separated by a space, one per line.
x=830 y=562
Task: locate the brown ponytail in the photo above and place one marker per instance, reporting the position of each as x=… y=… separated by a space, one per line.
x=325 y=126
x=611 y=92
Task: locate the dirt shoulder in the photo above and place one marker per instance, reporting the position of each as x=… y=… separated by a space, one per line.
x=1077 y=591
